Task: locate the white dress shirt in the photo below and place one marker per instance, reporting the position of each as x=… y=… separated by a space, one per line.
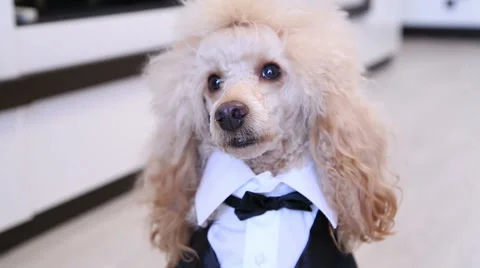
x=275 y=239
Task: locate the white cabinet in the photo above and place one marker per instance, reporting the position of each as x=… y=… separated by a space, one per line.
x=443 y=13
x=58 y=148
x=47 y=46
x=8 y=42
x=15 y=192
x=80 y=141
x=64 y=43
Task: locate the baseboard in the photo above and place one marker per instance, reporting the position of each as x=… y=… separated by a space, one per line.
x=64 y=212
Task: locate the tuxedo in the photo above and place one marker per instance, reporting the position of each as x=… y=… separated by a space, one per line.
x=260 y=220
x=319 y=252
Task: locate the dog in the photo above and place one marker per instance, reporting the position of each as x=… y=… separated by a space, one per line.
x=273 y=84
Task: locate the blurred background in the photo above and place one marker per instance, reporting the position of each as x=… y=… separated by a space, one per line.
x=75 y=119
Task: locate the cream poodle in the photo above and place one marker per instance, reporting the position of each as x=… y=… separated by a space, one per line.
x=269 y=82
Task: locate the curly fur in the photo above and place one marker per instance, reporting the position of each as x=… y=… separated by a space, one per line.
x=320 y=112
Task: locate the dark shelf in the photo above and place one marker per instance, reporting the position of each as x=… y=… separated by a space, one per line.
x=75 y=9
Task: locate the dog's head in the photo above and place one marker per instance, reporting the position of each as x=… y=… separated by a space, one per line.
x=248 y=74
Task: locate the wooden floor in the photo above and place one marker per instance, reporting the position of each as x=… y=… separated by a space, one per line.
x=431 y=93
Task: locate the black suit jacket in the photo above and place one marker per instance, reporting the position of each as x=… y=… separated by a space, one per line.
x=320 y=251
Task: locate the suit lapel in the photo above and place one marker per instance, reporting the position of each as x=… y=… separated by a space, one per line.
x=321 y=250
x=206 y=256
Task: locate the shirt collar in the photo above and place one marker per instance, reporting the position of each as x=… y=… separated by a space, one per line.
x=224 y=174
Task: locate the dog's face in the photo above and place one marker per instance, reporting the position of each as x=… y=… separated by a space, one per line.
x=247 y=89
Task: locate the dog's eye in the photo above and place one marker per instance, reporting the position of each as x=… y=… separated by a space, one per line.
x=271 y=71
x=214 y=82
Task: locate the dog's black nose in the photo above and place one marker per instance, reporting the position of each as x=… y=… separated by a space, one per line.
x=230 y=115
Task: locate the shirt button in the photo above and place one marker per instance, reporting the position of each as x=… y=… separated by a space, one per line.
x=260 y=259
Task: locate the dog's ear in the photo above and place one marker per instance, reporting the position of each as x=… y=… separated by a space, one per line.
x=347 y=140
x=349 y=144
x=171 y=175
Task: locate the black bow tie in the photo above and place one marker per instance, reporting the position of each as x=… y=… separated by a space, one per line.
x=253 y=204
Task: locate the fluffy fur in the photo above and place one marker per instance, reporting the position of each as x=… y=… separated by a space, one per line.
x=316 y=109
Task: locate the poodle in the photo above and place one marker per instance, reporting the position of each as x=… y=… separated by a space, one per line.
x=271 y=83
